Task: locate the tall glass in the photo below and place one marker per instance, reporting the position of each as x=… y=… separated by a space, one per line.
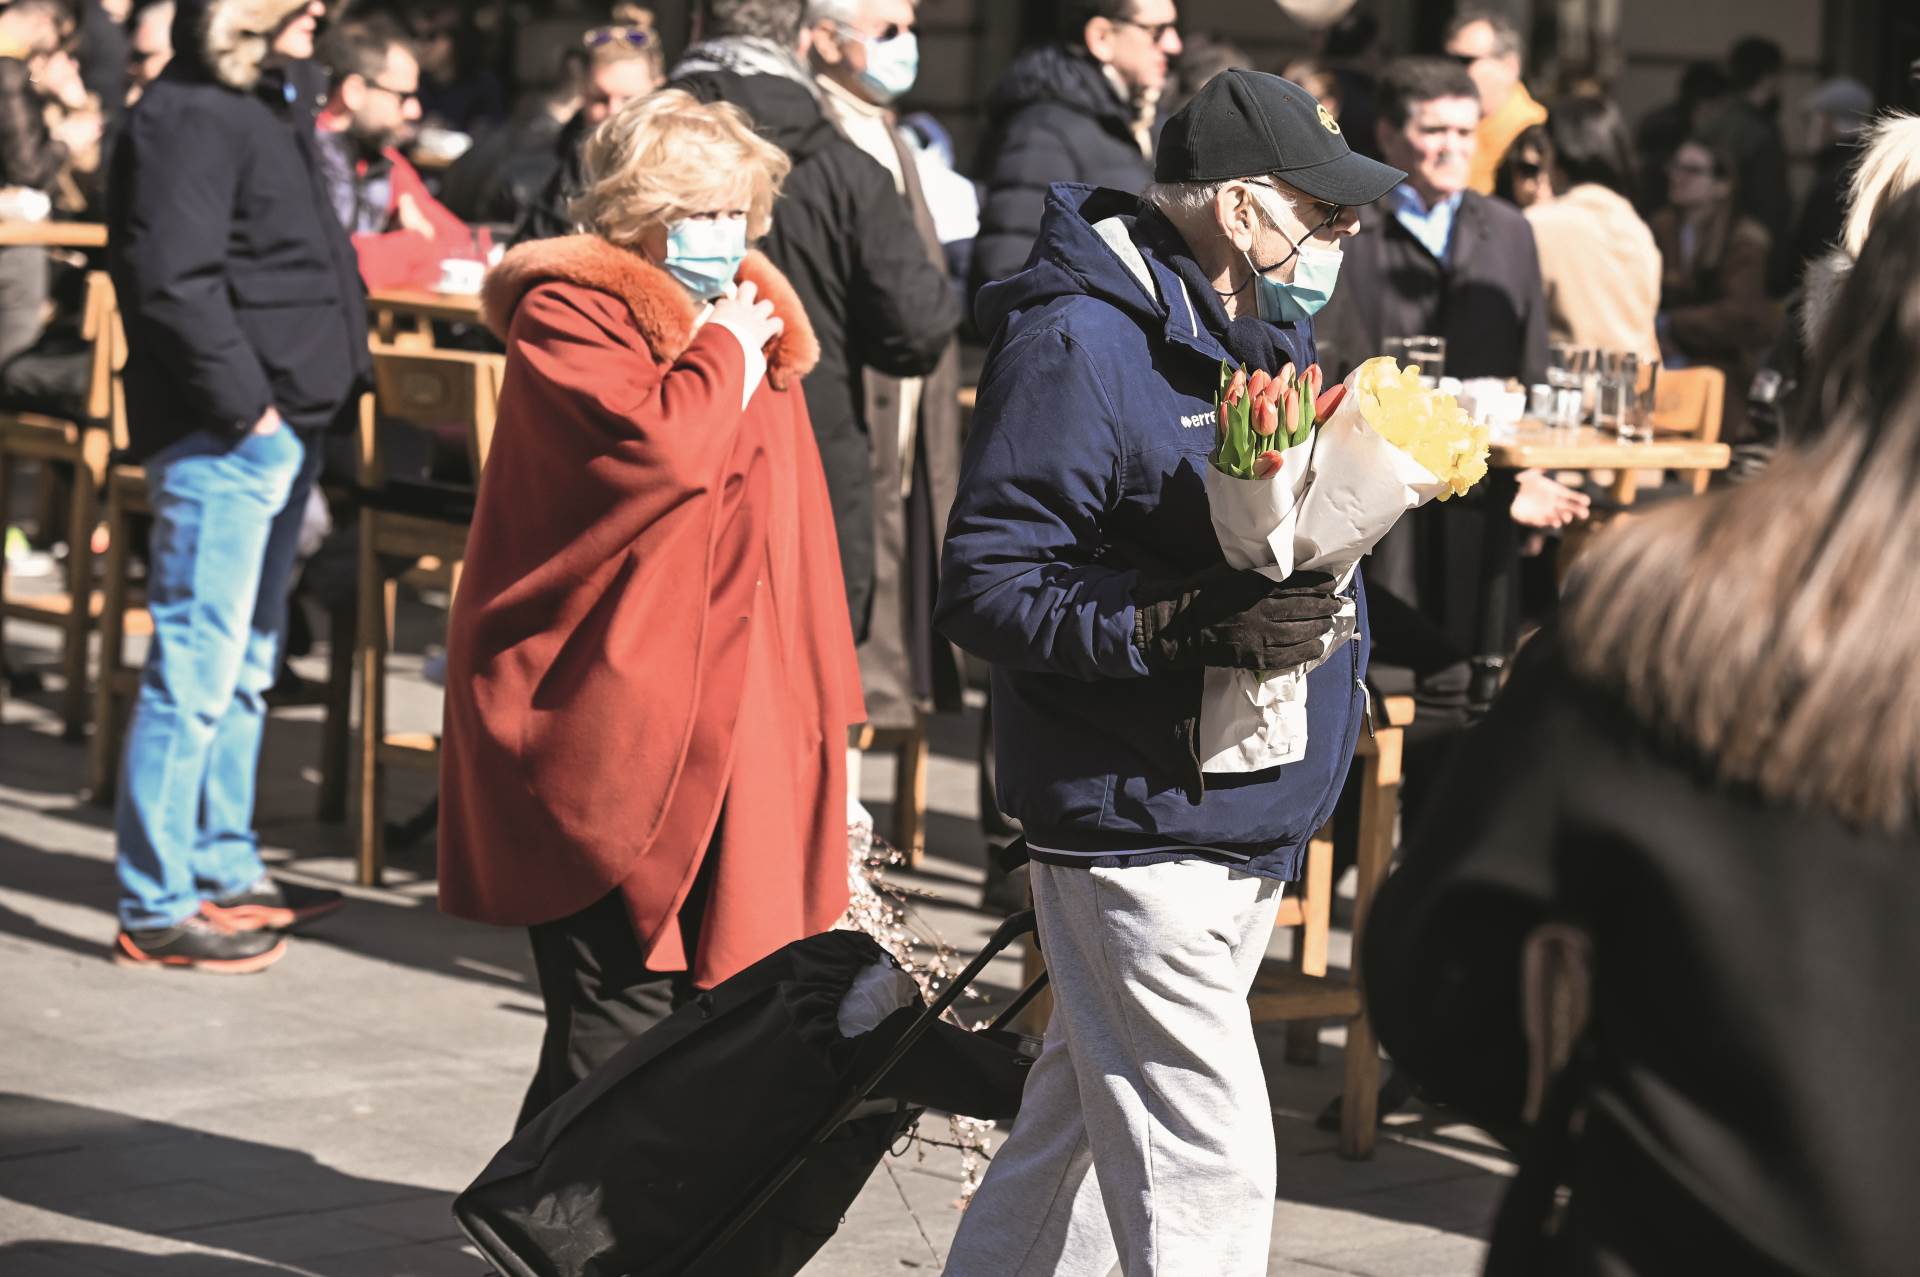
x=1614 y=392
x=1563 y=378
x=1646 y=392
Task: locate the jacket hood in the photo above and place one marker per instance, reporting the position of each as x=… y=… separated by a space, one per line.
x=1055 y=73
x=226 y=40
x=1821 y=287
x=784 y=112
x=664 y=312
x=1093 y=243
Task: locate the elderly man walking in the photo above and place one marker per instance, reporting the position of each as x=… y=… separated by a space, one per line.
x=1082 y=563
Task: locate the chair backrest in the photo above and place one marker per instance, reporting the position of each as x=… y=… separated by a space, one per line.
x=428 y=390
x=1690 y=401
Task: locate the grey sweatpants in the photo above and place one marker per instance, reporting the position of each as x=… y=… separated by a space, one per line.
x=1145 y=1136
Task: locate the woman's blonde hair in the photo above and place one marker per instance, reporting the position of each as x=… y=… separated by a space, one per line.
x=1889 y=167
x=669 y=156
x=1770 y=627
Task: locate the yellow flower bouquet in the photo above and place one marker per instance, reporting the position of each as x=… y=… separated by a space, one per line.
x=1386 y=446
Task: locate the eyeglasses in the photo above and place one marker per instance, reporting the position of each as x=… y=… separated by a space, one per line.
x=404 y=96
x=892 y=31
x=1306 y=206
x=1156 y=31
x=1526 y=169
x=632 y=37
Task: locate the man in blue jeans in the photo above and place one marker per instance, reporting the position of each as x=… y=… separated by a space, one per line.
x=246 y=333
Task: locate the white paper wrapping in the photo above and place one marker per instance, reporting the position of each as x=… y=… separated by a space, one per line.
x=1253 y=518
x=1337 y=495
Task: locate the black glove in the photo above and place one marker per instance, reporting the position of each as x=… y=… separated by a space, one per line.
x=1233 y=619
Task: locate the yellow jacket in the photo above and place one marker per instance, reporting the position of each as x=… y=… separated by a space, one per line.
x=1497 y=132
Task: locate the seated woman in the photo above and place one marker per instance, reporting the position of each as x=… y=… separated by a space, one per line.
x=1599 y=267
x=650 y=671
x=1701 y=802
x=1714 y=308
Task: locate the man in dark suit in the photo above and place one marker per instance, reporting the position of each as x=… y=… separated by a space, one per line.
x=1433 y=257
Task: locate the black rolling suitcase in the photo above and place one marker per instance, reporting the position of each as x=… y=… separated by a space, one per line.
x=730 y=1139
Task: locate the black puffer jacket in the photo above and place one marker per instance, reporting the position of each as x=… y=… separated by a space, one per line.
x=237 y=285
x=1053 y=118
x=846 y=239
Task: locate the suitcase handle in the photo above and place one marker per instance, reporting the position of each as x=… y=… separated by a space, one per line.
x=1012 y=929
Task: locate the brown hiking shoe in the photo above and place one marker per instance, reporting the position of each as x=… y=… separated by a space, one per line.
x=270 y=905
x=197 y=944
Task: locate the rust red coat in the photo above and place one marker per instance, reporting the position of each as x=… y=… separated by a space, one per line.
x=650 y=622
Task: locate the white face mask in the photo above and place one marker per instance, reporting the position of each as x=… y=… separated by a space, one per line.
x=704 y=253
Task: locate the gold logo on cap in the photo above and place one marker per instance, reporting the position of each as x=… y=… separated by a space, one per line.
x=1327 y=121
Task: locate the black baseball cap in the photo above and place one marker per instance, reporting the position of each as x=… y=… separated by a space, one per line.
x=1248 y=124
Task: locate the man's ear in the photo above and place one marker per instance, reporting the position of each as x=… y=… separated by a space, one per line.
x=1097 y=35
x=1236 y=217
x=822 y=41
x=352 y=93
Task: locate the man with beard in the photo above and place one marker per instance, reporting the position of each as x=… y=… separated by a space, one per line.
x=401 y=233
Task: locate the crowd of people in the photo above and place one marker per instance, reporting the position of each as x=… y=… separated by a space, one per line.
x=731 y=521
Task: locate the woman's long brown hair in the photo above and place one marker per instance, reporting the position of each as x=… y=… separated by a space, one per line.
x=1774 y=627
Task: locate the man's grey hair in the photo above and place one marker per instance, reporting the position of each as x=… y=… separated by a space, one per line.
x=775 y=20
x=842 y=11
x=1506 y=35
x=1172 y=198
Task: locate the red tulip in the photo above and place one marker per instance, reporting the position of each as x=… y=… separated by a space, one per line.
x=1236 y=389
x=1314 y=380
x=1266 y=416
x=1258 y=383
x=1324 y=406
x=1290 y=404
x=1267 y=464
x=1286 y=376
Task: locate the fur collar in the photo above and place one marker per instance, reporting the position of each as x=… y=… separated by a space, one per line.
x=662 y=310
x=231 y=37
x=1821 y=286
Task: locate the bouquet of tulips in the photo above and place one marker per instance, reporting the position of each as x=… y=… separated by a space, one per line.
x=1307 y=477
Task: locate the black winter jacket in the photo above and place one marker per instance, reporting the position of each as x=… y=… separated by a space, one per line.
x=1748 y=1103
x=1052 y=118
x=846 y=239
x=237 y=285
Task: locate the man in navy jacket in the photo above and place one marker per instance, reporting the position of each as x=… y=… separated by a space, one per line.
x=1081 y=562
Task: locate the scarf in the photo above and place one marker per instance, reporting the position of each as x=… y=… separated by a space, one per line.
x=744 y=56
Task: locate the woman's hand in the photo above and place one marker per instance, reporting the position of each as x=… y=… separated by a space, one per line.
x=747 y=317
x=1543 y=503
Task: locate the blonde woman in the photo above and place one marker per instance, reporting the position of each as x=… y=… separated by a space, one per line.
x=1889 y=167
x=1709 y=782
x=650 y=666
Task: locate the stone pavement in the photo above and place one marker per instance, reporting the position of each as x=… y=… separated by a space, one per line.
x=317 y=1119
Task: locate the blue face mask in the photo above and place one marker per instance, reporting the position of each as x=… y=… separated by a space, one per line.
x=1310 y=288
x=704 y=254
x=892 y=66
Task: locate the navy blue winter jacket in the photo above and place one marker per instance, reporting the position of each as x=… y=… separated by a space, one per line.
x=1083 y=474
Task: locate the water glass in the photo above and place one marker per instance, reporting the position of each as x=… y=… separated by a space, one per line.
x=1646 y=387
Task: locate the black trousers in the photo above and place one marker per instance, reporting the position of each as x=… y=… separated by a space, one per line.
x=598 y=992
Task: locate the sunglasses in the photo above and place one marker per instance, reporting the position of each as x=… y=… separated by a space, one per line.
x=632 y=37
x=1156 y=31
x=1526 y=168
x=1307 y=207
x=403 y=95
x=892 y=31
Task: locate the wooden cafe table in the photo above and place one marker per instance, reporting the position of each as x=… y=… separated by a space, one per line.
x=421 y=306
x=1534 y=445
x=53 y=235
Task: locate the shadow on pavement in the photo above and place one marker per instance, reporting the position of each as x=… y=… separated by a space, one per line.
x=256 y=1201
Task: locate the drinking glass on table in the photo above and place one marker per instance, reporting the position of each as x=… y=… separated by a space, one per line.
x=1615 y=393
x=1563 y=378
x=1637 y=425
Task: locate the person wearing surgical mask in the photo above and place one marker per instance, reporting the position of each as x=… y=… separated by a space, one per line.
x=650 y=669
x=864 y=56
x=1082 y=565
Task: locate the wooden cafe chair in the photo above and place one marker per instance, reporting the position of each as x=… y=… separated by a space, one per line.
x=83 y=443
x=421 y=523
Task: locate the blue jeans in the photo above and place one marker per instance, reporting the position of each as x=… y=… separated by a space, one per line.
x=225 y=529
